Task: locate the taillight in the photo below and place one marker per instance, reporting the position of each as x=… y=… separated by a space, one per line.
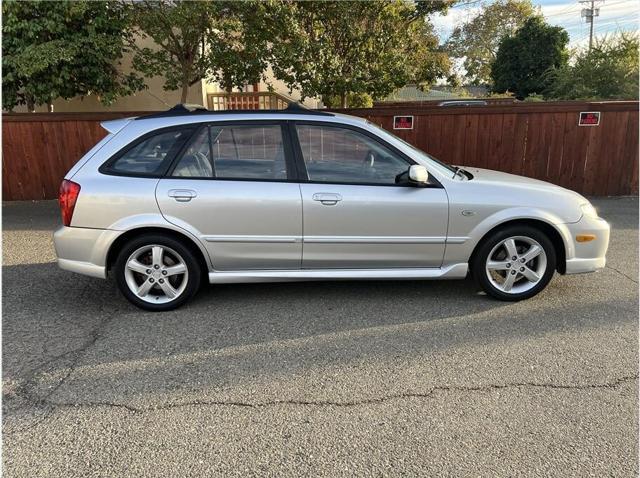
x=68 y=196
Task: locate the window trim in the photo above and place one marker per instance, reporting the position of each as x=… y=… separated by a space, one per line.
x=303 y=174
x=294 y=160
x=107 y=167
x=292 y=171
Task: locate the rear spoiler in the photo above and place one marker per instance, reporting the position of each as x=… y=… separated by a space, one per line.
x=113 y=126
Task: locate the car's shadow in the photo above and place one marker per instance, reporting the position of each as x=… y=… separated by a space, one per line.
x=232 y=335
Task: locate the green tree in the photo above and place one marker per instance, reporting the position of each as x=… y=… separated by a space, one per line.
x=609 y=71
x=239 y=49
x=424 y=8
x=193 y=40
x=337 y=49
x=524 y=59
x=61 y=50
x=477 y=40
x=354 y=100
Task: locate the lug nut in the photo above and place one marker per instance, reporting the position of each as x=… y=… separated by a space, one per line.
x=508 y=264
x=514 y=258
x=161 y=281
x=148 y=271
x=156 y=266
x=522 y=260
x=522 y=269
x=513 y=272
x=151 y=280
x=164 y=273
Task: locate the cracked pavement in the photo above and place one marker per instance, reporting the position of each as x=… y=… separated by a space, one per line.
x=318 y=379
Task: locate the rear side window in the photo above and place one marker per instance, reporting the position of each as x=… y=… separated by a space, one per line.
x=235 y=152
x=196 y=159
x=151 y=156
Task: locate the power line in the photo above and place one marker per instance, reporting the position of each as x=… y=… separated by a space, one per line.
x=619 y=23
x=572 y=7
x=605 y=20
x=562 y=12
x=620 y=2
x=466 y=4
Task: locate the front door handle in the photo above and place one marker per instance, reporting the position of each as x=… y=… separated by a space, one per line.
x=328 y=199
x=182 y=195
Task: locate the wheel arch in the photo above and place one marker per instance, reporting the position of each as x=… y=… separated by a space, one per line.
x=128 y=235
x=547 y=228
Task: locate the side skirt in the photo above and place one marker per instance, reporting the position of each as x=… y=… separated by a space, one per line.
x=454 y=271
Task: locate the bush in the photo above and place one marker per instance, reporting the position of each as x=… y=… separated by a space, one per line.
x=354 y=100
x=608 y=71
x=534 y=98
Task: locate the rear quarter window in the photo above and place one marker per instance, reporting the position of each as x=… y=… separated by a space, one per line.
x=149 y=156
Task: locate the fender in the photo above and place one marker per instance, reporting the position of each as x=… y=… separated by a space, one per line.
x=157 y=220
x=456 y=252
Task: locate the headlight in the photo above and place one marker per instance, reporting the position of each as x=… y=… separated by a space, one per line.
x=589 y=211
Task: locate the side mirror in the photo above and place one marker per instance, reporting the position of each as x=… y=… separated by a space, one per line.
x=418 y=174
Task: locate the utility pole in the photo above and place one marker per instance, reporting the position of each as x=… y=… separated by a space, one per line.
x=589 y=15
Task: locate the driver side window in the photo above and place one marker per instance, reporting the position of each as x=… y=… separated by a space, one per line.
x=340 y=155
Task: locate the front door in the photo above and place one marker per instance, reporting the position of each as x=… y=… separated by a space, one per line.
x=230 y=187
x=355 y=215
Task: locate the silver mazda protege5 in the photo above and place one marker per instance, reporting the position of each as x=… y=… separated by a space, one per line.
x=167 y=200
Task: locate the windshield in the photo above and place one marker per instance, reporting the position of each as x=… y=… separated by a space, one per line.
x=419 y=152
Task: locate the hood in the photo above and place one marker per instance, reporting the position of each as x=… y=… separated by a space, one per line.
x=506 y=189
x=490 y=176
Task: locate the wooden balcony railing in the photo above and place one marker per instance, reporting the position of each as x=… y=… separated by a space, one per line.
x=260 y=100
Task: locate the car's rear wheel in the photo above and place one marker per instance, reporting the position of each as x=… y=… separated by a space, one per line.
x=157 y=272
x=514 y=263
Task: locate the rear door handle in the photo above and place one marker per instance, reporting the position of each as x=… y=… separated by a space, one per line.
x=182 y=195
x=328 y=199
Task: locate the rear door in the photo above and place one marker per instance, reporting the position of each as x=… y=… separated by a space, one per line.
x=231 y=186
x=354 y=213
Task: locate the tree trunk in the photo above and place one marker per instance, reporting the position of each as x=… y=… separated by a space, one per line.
x=185 y=92
x=30 y=103
x=50 y=107
x=343 y=100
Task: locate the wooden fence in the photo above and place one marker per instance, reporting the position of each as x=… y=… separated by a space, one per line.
x=39 y=148
x=539 y=140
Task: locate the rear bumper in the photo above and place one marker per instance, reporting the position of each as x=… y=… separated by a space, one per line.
x=84 y=250
x=84 y=268
x=588 y=256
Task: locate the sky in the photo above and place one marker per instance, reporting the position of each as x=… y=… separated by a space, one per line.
x=615 y=15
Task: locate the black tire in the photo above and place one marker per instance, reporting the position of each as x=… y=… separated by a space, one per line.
x=193 y=277
x=479 y=262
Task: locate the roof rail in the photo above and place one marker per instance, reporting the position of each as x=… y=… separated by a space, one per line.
x=463 y=102
x=189 y=110
x=298 y=108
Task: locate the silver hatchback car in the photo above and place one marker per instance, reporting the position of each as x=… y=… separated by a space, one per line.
x=167 y=200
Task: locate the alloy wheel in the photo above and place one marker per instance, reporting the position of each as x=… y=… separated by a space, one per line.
x=156 y=274
x=516 y=264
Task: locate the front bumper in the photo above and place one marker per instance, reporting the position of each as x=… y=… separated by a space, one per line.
x=84 y=250
x=588 y=256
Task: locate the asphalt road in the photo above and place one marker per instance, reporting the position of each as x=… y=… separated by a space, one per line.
x=318 y=379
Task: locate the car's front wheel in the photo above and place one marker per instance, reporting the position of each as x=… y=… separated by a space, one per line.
x=157 y=272
x=514 y=263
